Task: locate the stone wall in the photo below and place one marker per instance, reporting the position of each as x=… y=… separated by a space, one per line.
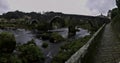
x=84 y=51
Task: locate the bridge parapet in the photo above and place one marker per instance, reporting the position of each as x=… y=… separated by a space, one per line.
x=80 y=55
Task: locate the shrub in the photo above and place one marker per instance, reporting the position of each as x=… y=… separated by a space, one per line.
x=30 y=53
x=7 y=42
x=72 y=30
x=31 y=42
x=9 y=58
x=38 y=36
x=45 y=36
x=45 y=45
x=69 y=49
x=43 y=27
x=55 y=37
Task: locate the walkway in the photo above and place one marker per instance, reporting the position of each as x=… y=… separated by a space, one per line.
x=108 y=49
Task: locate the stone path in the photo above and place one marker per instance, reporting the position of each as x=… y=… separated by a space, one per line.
x=108 y=49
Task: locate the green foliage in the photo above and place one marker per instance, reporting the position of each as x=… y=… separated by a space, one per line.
x=30 y=53
x=13 y=15
x=72 y=30
x=118 y=4
x=7 y=42
x=55 y=37
x=116 y=25
x=114 y=13
x=9 y=58
x=69 y=49
x=14 y=59
x=26 y=53
x=45 y=45
x=45 y=36
x=67 y=22
x=43 y=27
x=116 y=18
x=32 y=42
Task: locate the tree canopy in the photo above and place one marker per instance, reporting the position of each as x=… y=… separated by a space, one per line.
x=7 y=42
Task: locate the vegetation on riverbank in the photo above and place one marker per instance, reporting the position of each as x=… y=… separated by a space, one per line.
x=7 y=42
x=41 y=24
x=26 y=53
x=55 y=38
x=69 y=49
x=30 y=53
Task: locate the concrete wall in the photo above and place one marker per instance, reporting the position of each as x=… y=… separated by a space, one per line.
x=82 y=53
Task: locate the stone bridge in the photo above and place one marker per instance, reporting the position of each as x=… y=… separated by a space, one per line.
x=94 y=21
x=62 y=20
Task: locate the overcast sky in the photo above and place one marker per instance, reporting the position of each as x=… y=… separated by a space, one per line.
x=84 y=7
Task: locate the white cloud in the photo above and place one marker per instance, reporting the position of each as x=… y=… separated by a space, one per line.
x=100 y=6
x=3 y=6
x=66 y=6
x=86 y=7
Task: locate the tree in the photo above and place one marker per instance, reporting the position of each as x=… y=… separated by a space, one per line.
x=114 y=12
x=7 y=42
x=13 y=15
x=118 y=4
x=43 y=27
x=55 y=37
x=116 y=19
x=30 y=53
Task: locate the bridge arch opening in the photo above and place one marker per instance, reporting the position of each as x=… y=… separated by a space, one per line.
x=57 y=22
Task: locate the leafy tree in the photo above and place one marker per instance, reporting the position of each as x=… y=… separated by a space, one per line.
x=43 y=27
x=30 y=53
x=7 y=42
x=45 y=45
x=116 y=19
x=13 y=15
x=118 y=4
x=72 y=30
x=114 y=13
x=9 y=58
x=55 y=37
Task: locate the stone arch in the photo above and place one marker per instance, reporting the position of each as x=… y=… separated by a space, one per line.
x=57 y=22
x=34 y=21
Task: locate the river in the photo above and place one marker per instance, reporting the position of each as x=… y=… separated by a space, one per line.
x=22 y=36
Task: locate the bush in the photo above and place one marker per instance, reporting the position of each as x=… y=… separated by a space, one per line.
x=9 y=58
x=55 y=37
x=7 y=42
x=43 y=27
x=69 y=49
x=38 y=36
x=114 y=13
x=45 y=36
x=45 y=45
x=31 y=42
x=72 y=31
x=30 y=53
x=14 y=59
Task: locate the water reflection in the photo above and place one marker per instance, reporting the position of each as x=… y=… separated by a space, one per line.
x=64 y=32
x=22 y=36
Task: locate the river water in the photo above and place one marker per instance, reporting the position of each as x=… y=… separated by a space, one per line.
x=23 y=36
x=64 y=32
